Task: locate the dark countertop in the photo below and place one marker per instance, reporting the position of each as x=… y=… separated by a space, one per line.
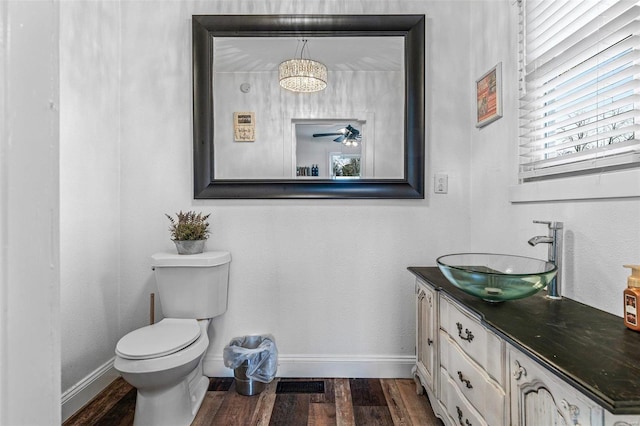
x=588 y=348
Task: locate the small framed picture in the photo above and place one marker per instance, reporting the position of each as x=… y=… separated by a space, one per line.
x=489 y=96
x=244 y=126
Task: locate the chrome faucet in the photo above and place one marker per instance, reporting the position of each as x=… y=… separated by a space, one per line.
x=554 y=239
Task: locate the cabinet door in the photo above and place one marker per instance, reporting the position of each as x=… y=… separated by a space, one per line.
x=425 y=327
x=539 y=398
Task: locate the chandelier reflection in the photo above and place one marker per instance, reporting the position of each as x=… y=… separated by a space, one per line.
x=301 y=74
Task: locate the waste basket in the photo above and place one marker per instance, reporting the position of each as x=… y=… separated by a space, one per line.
x=254 y=360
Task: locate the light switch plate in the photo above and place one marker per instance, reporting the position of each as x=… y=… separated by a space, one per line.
x=441 y=183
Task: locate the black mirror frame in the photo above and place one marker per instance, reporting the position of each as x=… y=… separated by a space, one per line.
x=205 y=27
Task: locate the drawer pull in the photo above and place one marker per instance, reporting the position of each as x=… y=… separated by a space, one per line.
x=518 y=371
x=466 y=421
x=466 y=382
x=573 y=410
x=429 y=342
x=469 y=335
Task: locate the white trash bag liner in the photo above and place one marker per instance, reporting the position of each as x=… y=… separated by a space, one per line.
x=260 y=353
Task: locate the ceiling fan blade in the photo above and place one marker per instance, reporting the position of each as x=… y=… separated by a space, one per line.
x=348 y=133
x=315 y=135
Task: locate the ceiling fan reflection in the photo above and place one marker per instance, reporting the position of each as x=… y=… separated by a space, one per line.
x=348 y=135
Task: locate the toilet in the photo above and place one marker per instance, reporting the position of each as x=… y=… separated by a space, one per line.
x=163 y=361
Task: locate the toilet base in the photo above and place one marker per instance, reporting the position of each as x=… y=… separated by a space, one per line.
x=173 y=406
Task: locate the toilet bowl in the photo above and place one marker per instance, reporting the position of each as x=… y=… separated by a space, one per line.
x=164 y=360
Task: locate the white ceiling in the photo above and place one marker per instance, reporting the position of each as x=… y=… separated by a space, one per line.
x=257 y=54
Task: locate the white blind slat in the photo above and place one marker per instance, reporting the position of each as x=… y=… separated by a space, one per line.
x=569 y=54
x=550 y=112
x=561 y=25
x=548 y=19
x=566 y=96
x=627 y=146
x=615 y=56
x=539 y=130
x=576 y=140
x=596 y=163
x=536 y=9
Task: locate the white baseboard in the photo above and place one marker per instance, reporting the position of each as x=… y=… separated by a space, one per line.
x=86 y=389
x=376 y=366
x=356 y=366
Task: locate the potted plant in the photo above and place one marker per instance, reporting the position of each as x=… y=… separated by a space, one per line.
x=189 y=232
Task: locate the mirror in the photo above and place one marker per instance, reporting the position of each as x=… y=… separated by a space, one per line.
x=253 y=139
x=365 y=85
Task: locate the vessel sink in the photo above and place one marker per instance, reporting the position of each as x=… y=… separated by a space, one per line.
x=497 y=277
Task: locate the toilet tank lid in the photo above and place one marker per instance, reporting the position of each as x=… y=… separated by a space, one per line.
x=206 y=259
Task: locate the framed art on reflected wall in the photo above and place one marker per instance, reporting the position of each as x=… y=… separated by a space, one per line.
x=489 y=96
x=244 y=126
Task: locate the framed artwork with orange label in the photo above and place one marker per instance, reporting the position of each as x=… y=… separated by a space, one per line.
x=489 y=96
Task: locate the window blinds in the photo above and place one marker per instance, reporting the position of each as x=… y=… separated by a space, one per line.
x=580 y=86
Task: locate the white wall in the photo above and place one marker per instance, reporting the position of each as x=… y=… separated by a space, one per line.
x=327 y=278
x=359 y=94
x=89 y=189
x=600 y=235
x=29 y=210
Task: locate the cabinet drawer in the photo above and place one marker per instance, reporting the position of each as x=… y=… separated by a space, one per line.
x=621 y=420
x=477 y=342
x=458 y=408
x=538 y=397
x=473 y=382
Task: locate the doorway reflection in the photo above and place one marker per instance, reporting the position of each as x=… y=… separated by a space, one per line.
x=331 y=149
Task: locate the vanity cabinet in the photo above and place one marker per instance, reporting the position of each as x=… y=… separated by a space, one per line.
x=426 y=331
x=539 y=398
x=484 y=364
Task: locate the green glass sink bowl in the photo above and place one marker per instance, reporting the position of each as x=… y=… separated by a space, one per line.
x=497 y=277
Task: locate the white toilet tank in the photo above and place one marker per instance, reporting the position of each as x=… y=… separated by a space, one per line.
x=192 y=286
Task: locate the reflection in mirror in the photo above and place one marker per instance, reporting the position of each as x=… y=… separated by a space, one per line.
x=326 y=149
x=244 y=123
x=365 y=74
x=345 y=166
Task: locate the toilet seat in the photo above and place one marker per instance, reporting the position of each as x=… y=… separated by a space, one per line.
x=163 y=338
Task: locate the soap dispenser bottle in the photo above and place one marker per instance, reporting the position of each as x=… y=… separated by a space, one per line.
x=631 y=298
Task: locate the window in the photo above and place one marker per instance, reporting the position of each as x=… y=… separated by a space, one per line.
x=345 y=166
x=580 y=87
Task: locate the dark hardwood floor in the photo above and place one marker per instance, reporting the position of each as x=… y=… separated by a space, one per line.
x=347 y=402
